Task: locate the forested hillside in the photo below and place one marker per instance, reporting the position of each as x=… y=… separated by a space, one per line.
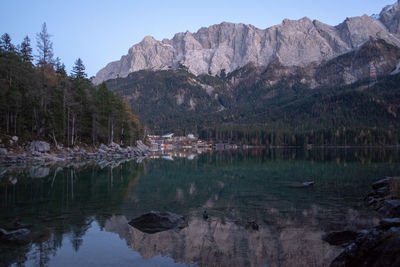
x=243 y=107
x=39 y=100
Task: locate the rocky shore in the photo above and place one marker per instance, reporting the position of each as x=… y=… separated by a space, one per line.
x=40 y=152
x=379 y=246
x=38 y=159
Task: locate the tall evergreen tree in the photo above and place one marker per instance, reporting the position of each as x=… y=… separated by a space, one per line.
x=26 y=50
x=60 y=68
x=5 y=43
x=43 y=102
x=78 y=71
x=44 y=46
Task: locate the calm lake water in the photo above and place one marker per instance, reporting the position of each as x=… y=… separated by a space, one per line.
x=79 y=215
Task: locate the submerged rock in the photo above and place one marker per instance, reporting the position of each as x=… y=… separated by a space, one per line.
x=340 y=238
x=154 y=222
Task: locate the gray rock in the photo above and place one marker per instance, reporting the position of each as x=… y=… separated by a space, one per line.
x=103 y=147
x=390 y=18
x=39 y=146
x=13 y=179
x=39 y=172
x=155 y=221
x=115 y=146
x=310 y=183
x=389 y=222
x=15 y=138
x=3 y=151
x=382 y=183
x=373 y=249
x=390 y=208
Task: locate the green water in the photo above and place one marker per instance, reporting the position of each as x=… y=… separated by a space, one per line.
x=79 y=215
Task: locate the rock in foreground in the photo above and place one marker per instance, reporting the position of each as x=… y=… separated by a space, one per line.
x=341 y=238
x=378 y=248
x=154 y=222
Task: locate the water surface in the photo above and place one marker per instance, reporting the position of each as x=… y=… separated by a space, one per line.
x=79 y=215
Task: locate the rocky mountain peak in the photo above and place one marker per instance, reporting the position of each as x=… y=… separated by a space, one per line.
x=390 y=17
x=229 y=46
x=148 y=40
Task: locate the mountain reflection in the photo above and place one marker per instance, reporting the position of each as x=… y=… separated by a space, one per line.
x=62 y=203
x=225 y=243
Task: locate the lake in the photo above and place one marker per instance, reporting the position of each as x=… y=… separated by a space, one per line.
x=79 y=214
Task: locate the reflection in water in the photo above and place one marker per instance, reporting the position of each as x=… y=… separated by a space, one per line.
x=224 y=243
x=73 y=206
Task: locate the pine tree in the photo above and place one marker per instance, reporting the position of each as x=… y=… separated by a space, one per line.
x=60 y=68
x=26 y=50
x=5 y=43
x=78 y=71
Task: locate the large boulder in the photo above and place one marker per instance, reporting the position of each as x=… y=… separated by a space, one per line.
x=156 y=221
x=39 y=146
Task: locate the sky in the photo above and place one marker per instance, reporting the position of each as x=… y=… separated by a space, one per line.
x=100 y=31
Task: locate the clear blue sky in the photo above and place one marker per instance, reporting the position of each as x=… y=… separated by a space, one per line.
x=100 y=31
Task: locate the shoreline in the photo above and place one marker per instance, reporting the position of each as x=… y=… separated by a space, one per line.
x=39 y=152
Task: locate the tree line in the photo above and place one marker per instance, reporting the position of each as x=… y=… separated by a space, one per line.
x=341 y=136
x=39 y=100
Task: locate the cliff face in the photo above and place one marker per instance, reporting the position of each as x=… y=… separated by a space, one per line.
x=180 y=101
x=390 y=17
x=229 y=46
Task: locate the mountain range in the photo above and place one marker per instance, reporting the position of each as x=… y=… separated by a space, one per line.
x=229 y=46
x=234 y=76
